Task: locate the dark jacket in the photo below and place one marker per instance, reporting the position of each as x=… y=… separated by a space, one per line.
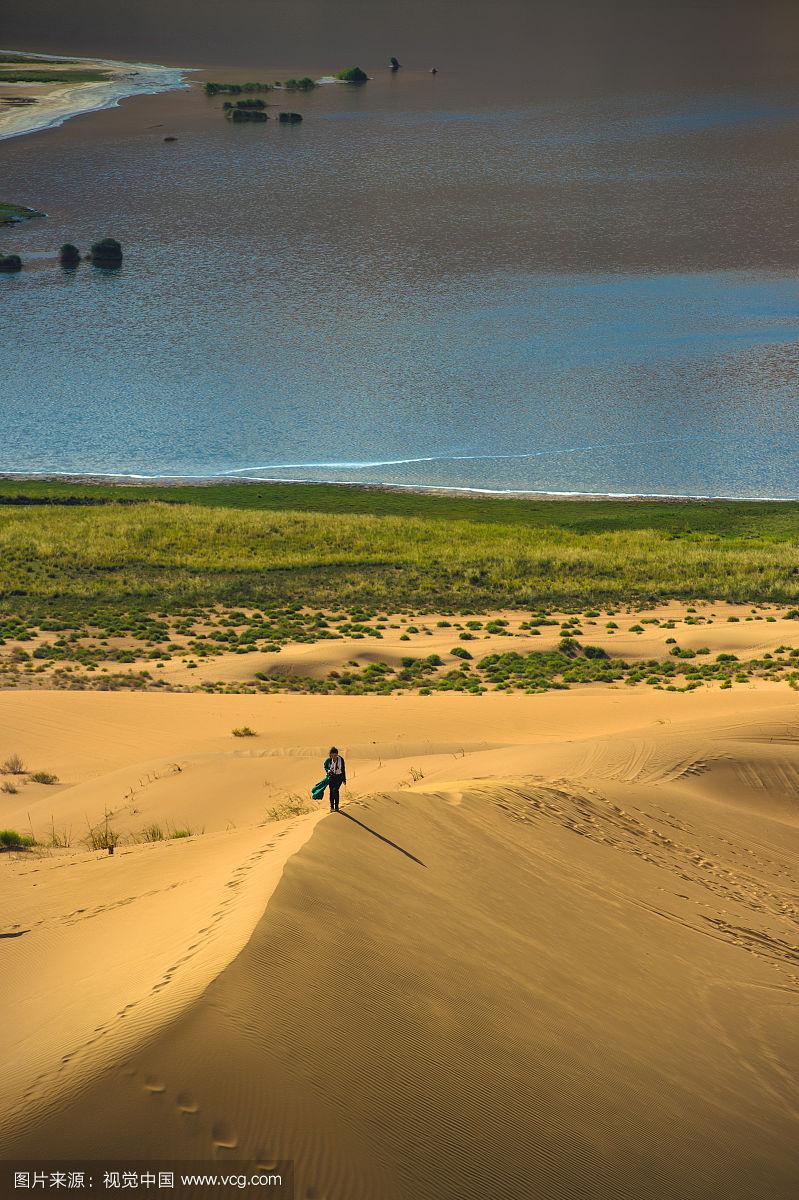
x=343 y=775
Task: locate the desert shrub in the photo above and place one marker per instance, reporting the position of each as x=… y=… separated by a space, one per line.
x=103 y=836
x=43 y=777
x=11 y=840
x=13 y=765
x=60 y=839
x=243 y=731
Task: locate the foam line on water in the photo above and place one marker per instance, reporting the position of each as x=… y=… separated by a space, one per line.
x=365 y=465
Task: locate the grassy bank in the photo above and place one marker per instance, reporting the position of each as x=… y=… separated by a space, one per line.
x=79 y=75
x=18 y=56
x=69 y=547
x=11 y=214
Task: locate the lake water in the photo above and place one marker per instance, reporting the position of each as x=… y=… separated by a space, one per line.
x=567 y=262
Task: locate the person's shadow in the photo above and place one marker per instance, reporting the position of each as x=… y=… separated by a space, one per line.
x=388 y=841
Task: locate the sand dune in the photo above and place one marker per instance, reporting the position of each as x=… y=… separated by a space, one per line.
x=549 y=949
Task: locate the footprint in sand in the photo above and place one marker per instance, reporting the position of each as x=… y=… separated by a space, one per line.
x=154 y=1086
x=266 y=1162
x=187 y=1104
x=223 y=1136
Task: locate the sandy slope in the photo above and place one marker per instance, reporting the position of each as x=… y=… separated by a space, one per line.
x=549 y=950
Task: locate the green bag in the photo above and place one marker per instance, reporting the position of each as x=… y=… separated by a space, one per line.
x=318 y=790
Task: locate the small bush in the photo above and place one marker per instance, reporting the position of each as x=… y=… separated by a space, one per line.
x=461 y=652
x=9 y=788
x=43 y=777
x=103 y=836
x=11 y=840
x=13 y=765
x=243 y=731
x=352 y=75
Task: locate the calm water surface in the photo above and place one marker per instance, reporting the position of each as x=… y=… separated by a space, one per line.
x=567 y=262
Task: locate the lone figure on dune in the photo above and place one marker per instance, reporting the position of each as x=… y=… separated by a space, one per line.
x=336 y=776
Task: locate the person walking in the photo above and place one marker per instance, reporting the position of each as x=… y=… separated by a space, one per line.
x=336 y=776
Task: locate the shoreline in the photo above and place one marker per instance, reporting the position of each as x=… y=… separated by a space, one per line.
x=183 y=481
x=68 y=100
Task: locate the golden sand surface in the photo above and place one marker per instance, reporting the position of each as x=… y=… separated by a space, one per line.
x=548 y=948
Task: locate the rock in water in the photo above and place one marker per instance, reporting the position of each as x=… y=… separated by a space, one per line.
x=10 y=262
x=69 y=255
x=106 y=253
x=395 y=65
x=289 y=118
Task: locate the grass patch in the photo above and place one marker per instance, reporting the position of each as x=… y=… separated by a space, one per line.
x=295 y=806
x=120 y=573
x=10 y=214
x=31 y=75
x=159 y=833
x=11 y=840
x=152 y=833
x=55 y=556
x=18 y=56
